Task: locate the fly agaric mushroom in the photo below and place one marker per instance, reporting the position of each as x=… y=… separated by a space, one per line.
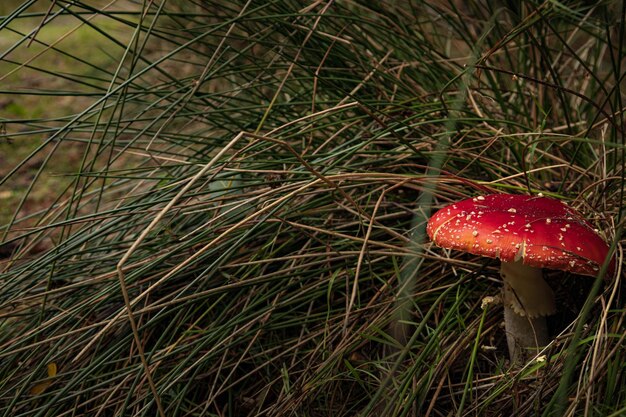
x=526 y=233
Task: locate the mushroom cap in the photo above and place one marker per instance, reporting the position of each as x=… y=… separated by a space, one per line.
x=541 y=231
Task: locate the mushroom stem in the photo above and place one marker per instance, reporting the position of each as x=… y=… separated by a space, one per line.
x=524 y=336
x=527 y=300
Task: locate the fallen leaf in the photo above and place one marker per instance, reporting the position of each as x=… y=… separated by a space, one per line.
x=40 y=387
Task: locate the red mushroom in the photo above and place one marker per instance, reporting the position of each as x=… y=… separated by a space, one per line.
x=526 y=233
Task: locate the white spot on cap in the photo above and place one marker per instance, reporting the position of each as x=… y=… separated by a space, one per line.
x=540 y=195
x=489 y=241
x=475 y=233
x=548 y=221
x=480 y=197
x=512 y=210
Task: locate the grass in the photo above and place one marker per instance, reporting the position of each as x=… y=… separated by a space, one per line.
x=253 y=181
x=45 y=81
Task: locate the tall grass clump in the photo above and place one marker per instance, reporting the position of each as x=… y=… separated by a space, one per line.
x=218 y=208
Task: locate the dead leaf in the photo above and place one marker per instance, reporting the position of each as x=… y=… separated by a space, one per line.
x=40 y=387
